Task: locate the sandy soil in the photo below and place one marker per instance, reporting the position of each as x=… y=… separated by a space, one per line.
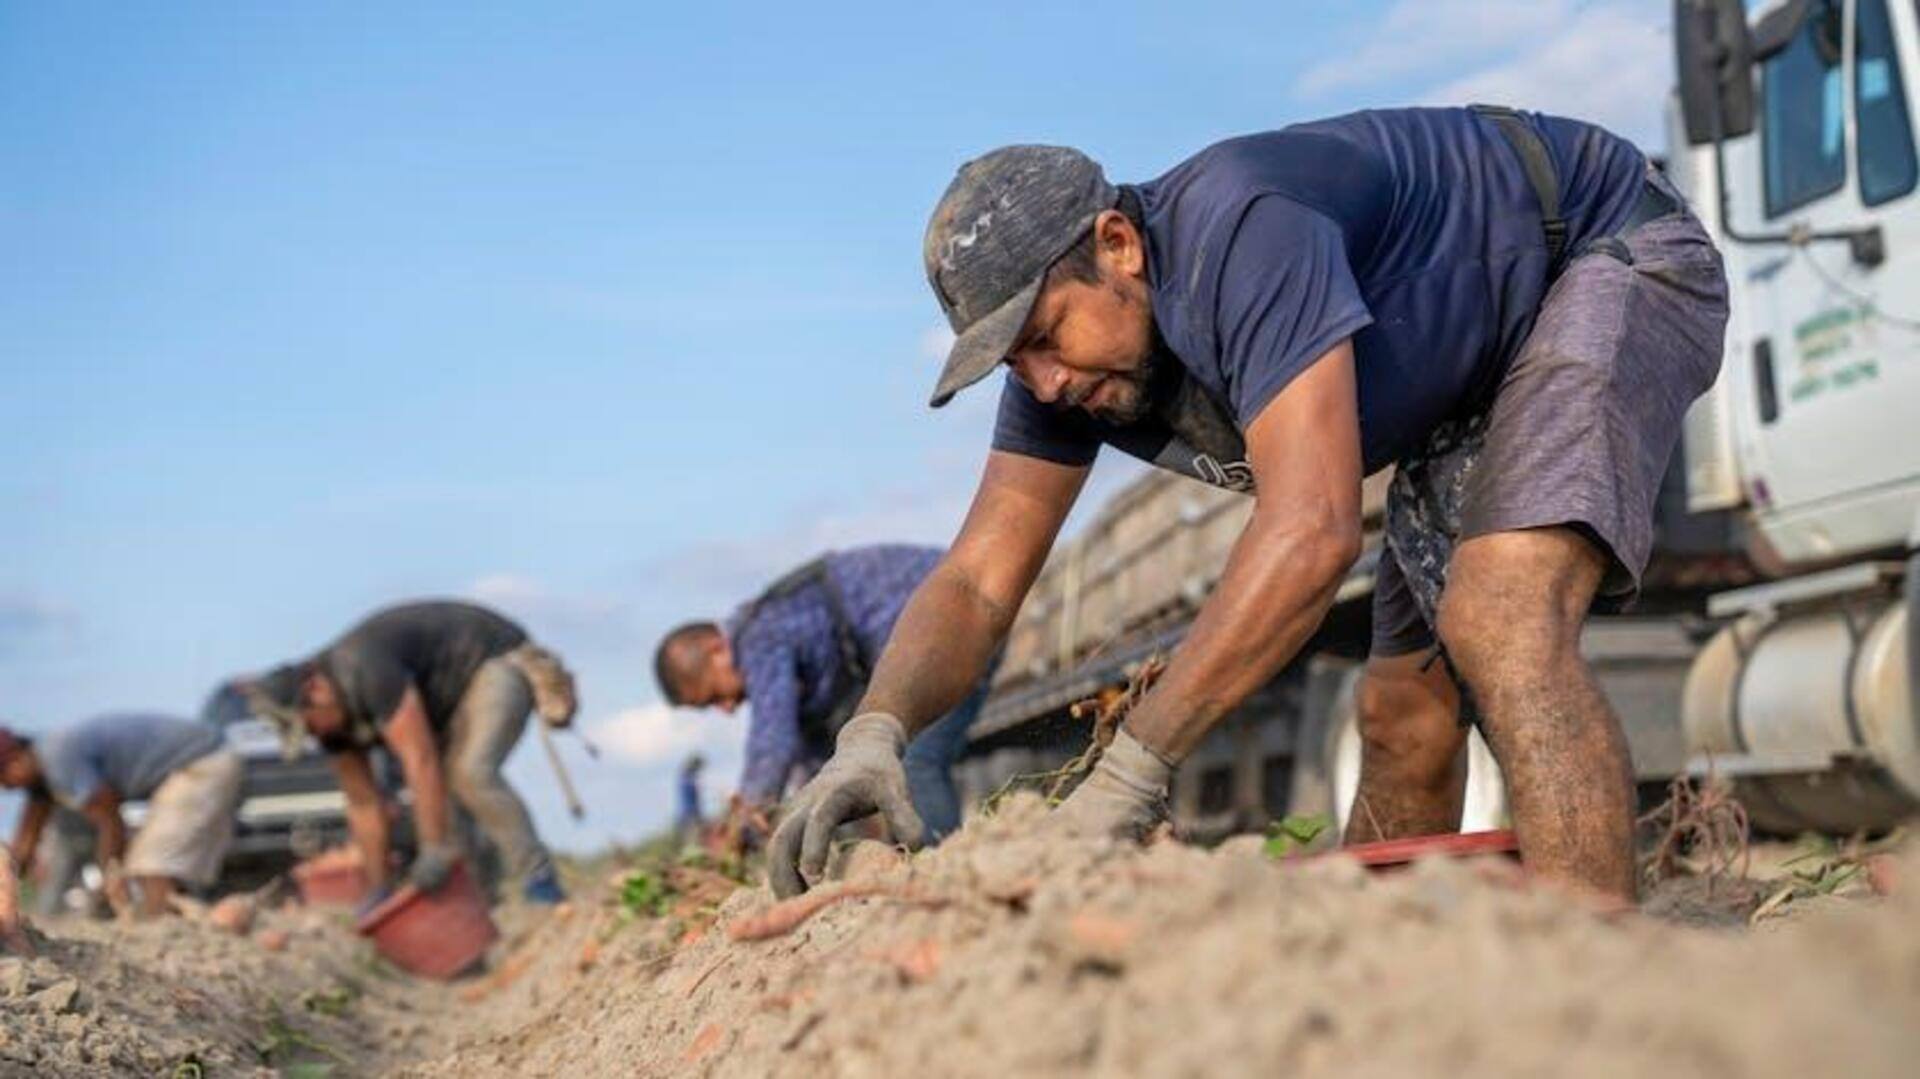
x=1000 y=955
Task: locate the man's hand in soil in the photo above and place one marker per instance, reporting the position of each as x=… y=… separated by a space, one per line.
x=1125 y=796
x=13 y=931
x=744 y=828
x=113 y=884
x=863 y=777
x=432 y=866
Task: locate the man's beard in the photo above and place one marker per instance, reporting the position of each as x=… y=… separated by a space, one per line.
x=1132 y=398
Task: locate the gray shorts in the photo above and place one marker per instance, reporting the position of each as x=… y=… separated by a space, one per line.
x=1580 y=430
x=189 y=823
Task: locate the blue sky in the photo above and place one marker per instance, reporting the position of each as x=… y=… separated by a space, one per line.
x=601 y=314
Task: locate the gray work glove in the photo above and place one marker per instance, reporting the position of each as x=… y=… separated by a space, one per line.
x=1125 y=796
x=432 y=866
x=864 y=776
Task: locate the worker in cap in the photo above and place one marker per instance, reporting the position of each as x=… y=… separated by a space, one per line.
x=1513 y=310
x=447 y=688
x=800 y=654
x=183 y=771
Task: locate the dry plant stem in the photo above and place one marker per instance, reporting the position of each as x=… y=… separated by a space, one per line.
x=1109 y=709
x=1367 y=808
x=1703 y=821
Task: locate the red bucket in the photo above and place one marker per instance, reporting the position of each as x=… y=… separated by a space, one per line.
x=433 y=934
x=330 y=880
x=1388 y=853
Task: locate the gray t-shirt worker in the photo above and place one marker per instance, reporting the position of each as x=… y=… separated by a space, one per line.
x=1512 y=308
x=447 y=688
x=180 y=768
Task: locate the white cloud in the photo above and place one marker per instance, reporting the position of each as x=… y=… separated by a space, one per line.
x=595 y=620
x=515 y=590
x=629 y=790
x=1420 y=37
x=1610 y=64
x=1605 y=61
x=652 y=734
x=935 y=341
x=25 y=618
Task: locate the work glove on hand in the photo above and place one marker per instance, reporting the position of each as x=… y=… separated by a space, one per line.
x=863 y=776
x=432 y=866
x=1124 y=797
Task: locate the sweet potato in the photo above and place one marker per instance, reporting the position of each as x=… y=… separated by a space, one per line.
x=789 y=914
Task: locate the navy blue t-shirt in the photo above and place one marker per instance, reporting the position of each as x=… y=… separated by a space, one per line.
x=1413 y=231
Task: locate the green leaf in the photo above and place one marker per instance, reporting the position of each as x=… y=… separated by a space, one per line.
x=1291 y=834
x=644 y=894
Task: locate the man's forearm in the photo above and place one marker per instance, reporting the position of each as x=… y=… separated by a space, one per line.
x=431 y=820
x=1277 y=586
x=26 y=838
x=940 y=647
x=111 y=837
x=367 y=823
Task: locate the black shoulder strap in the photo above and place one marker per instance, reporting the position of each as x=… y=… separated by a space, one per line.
x=1534 y=157
x=853 y=656
x=1204 y=423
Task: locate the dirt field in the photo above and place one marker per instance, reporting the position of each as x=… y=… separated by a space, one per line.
x=1000 y=955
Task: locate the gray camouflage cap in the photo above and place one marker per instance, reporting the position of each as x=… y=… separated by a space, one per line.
x=275 y=697
x=1002 y=223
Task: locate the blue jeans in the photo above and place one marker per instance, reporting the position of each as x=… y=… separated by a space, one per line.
x=929 y=761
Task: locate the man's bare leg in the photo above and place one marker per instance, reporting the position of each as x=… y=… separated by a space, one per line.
x=1413 y=764
x=156 y=895
x=1511 y=618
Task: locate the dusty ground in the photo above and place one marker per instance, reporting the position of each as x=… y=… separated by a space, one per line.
x=999 y=955
x=160 y=998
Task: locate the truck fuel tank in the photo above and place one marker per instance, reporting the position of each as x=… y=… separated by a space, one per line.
x=1810 y=710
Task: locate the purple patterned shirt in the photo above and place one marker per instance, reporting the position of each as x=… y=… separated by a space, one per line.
x=789 y=659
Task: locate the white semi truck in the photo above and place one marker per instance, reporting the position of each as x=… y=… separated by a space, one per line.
x=1796 y=139
x=1771 y=645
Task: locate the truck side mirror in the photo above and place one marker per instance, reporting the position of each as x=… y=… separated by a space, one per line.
x=1713 y=53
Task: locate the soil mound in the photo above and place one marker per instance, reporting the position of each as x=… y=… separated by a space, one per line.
x=1002 y=954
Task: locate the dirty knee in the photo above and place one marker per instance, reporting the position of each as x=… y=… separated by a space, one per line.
x=467 y=781
x=1497 y=637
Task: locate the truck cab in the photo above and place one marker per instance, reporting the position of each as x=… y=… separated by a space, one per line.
x=1794 y=135
x=1817 y=210
x=1770 y=644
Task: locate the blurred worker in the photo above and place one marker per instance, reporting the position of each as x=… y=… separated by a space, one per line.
x=13 y=927
x=688 y=821
x=1514 y=309
x=803 y=652
x=66 y=847
x=446 y=688
x=180 y=768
